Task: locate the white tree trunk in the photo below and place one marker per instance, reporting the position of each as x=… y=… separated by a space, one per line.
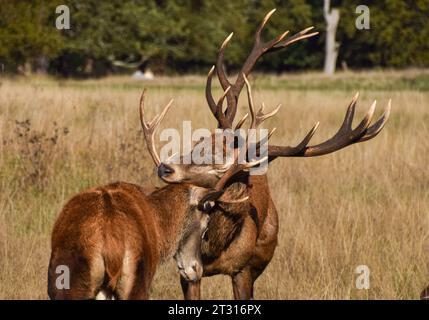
x=331 y=46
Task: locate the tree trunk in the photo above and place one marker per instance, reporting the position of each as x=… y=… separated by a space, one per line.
x=41 y=64
x=331 y=46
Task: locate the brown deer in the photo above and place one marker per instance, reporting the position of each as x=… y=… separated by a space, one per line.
x=112 y=238
x=241 y=237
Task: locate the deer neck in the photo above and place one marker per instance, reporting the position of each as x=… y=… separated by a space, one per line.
x=172 y=205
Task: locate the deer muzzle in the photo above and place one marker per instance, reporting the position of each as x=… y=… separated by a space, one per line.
x=164 y=170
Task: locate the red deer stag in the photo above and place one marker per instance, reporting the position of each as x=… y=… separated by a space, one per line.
x=241 y=238
x=112 y=238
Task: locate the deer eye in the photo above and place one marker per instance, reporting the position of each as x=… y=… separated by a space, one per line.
x=207 y=206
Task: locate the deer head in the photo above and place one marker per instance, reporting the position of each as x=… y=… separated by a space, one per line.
x=209 y=175
x=187 y=255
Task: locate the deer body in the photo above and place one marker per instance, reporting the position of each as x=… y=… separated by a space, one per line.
x=234 y=231
x=241 y=239
x=112 y=239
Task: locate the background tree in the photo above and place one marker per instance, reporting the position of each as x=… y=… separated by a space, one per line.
x=332 y=17
x=28 y=38
x=398 y=34
x=183 y=36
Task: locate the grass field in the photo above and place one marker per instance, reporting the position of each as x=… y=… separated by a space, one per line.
x=365 y=205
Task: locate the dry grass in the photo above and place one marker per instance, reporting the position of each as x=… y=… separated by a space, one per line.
x=366 y=205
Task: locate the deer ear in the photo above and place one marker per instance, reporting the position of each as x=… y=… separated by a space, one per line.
x=207 y=202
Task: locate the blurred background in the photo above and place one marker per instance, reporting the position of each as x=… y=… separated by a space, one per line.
x=183 y=36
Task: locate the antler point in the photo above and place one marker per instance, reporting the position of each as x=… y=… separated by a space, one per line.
x=388 y=108
x=211 y=70
x=225 y=42
x=245 y=79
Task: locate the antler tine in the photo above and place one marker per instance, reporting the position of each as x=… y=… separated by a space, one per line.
x=271 y=133
x=250 y=101
x=290 y=41
x=300 y=147
x=150 y=127
x=265 y=139
x=216 y=108
x=265 y=116
x=348 y=119
x=209 y=96
x=296 y=37
x=276 y=151
x=220 y=103
x=259 y=49
x=259 y=117
x=223 y=79
x=219 y=189
x=378 y=125
x=236 y=167
x=241 y=122
x=281 y=37
x=222 y=120
x=344 y=137
x=364 y=124
x=262 y=25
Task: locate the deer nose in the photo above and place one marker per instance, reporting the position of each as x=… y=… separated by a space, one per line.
x=192 y=273
x=164 y=170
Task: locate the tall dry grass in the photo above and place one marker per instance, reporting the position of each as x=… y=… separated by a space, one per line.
x=365 y=205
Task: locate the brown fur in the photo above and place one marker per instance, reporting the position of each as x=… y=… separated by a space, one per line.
x=241 y=238
x=112 y=238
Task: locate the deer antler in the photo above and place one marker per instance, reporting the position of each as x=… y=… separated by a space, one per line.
x=260 y=116
x=150 y=127
x=219 y=189
x=344 y=137
x=232 y=91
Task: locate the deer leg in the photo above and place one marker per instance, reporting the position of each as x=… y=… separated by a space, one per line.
x=265 y=245
x=141 y=283
x=139 y=292
x=242 y=284
x=191 y=290
x=72 y=281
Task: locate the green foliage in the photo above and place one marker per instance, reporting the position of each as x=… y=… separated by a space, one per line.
x=27 y=32
x=184 y=35
x=398 y=34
